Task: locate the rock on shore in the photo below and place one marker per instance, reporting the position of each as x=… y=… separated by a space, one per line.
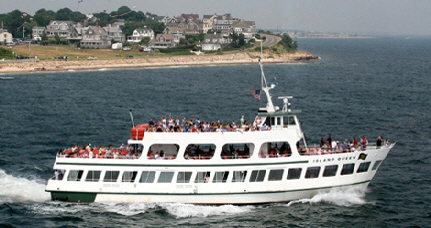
x=189 y=60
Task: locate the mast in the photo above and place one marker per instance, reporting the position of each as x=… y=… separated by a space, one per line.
x=266 y=87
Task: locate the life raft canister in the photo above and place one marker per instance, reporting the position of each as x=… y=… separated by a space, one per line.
x=138 y=131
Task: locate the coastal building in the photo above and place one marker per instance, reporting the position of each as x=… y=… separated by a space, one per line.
x=60 y=28
x=207 y=22
x=162 y=41
x=5 y=36
x=213 y=42
x=95 y=37
x=139 y=34
x=247 y=28
x=115 y=33
x=223 y=22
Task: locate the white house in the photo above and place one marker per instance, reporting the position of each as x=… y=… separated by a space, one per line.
x=139 y=34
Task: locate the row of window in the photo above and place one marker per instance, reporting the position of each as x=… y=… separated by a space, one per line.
x=218 y=176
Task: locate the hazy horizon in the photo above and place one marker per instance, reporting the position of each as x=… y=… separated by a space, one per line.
x=384 y=17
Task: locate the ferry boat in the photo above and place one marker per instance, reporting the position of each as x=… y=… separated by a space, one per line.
x=196 y=162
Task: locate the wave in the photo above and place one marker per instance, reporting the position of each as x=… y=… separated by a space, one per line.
x=345 y=197
x=17 y=189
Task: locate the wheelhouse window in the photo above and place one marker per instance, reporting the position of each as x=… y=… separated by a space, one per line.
x=184 y=177
x=111 y=176
x=275 y=150
x=237 y=151
x=202 y=177
x=93 y=176
x=163 y=152
x=165 y=177
x=348 y=169
x=129 y=176
x=289 y=120
x=199 y=151
x=376 y=165
x=75 y=175
x=312 y=172
x=294 y=173
x=221 y=177
x=147 y=177
x=330 y=170
x=275 y=175
x=257 y=175
x=363 y=167
x=239 y=176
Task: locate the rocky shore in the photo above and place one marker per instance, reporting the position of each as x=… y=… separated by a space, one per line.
x=189 y=60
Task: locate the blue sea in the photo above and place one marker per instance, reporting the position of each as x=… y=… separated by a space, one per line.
x=377 y=86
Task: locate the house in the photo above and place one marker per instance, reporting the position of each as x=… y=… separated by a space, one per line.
x=60 y=28
x=95 y=37
x=162 y=41
x=189 y=17
x=37 y=32
x=223 y=22
x=139 y=34
x=5 y=37
x=115 y=33
x=213 y=42
x=247 y=28
x=207 y=22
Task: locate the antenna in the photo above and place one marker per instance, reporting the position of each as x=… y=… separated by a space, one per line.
x=131 y=117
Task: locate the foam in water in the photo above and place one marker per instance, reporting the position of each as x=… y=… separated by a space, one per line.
x=338 y=196
x=180 y=210
x=15 y=189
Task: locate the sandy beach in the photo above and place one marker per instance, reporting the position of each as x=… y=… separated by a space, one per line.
x=18 y=66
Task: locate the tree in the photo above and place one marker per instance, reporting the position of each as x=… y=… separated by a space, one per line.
x=43 y=17
x=288 y=44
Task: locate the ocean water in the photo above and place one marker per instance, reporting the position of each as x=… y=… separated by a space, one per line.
x=379 y=86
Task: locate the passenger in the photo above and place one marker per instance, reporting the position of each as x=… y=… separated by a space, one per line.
x=364 y=142
x=355 y=143
x=387 y=143
x=379 y=142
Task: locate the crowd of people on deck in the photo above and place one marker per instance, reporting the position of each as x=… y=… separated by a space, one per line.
x=171 y=124
x=88 y=151
x=330 y=145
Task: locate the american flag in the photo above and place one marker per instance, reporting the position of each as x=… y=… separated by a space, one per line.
x=256 y=93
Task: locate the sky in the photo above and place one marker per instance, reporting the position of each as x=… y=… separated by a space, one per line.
x=361 y=17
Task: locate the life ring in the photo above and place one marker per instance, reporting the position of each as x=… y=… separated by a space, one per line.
x=258 y=120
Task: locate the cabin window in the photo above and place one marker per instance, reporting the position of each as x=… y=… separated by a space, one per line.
x=363 y=167
x=184 y=177
x=275 y=174
x=294 y=173
x=147 y=177
x=199 y=151
x=75 y=175
x=312 y=172
x=202 y=177
x=135 y=150
x=257 y=175
x=163 y=152
x=376 y=165
x=129 y=176
x=165 y=177
x=239 y=176
x=220 y=177
x=275 y=150
x=348 y=169
x=93 y=176
x=111 y=176
x=289 y=120
x=330 y=170
x=237 y=151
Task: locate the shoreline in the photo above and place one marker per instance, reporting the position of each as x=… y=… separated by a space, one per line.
x=18 y=67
